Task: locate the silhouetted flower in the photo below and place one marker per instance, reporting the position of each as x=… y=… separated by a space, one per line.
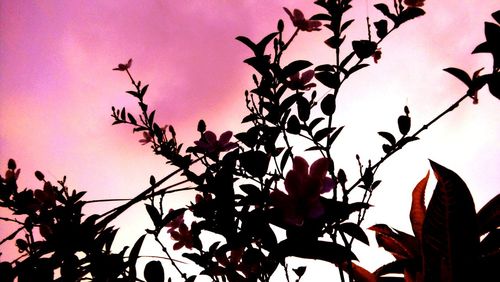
x=47 y=196
x=300 y=22
x=175 y=223
x=304 y=187
x=210 y=144
x=377 y=55
x=301 y=82
x=12 y=174
x=124 y=67
x=183 y=236
x=414 y=3
x=146 y=138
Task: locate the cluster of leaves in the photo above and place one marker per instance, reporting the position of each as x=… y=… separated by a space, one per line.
x=58 y=237
x=246 y=187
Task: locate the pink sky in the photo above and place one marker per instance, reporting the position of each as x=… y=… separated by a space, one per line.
x=57 y=89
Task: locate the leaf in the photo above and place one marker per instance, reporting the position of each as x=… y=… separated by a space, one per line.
x=334 y=136
x=154 y=215
x=285 y=157
x=248 y=43
x=131 y=119
x=171 y=216
x=328 y=79
x=450 y=240
x=355 y=231
x=357 y=272
x=346 y=25
x=417 y=211
x=328 y=104
x=399 y=244
x=132 y=259
x=303 y=109
x=460 y=74
x=321 y=17
x=255 y=162
x=404 y=124
x=385 y=10
x=357 y=67
x=488 y=216
x=293 y=125
x=322 y=133
x=294 y=67
x=409 y=14
x=364 y=48
x=261 y=46
x=143 y=90
x=153 y=272
x=315 y=122
x=346 y=60
x=388 y=136
x=381 y=27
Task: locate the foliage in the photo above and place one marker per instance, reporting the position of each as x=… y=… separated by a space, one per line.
x=248 y=186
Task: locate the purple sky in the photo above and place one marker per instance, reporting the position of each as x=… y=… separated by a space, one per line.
x=57 y=88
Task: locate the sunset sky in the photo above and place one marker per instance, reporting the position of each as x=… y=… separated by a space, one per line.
x=57 y=88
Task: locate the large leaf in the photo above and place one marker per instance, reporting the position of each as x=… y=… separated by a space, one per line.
x=488 y=217
x=417 y=211
x=450 y=240
x=357 y=272
x=399 y=244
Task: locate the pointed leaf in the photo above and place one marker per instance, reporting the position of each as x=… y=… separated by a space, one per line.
x=450 y=240
x=294 y=67
x=355 y=231
x=388 y=136
x=417 y=211
x=488 y=216
x=132 y=259
x=460 y=74
x=154 y=215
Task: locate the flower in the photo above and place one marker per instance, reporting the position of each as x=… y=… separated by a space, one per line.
x=300 y=82
x=209 y=143
x=124 y=67
x=47 y=196
x=377 y=55
x=300 y=22
x=184 y=237
x=414 y=3
x=176 y=222
x=304 y=186
x=146 y=138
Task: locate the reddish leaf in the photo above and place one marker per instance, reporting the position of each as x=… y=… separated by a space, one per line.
x=450 y=240
x=488 y=216
x=417 y=212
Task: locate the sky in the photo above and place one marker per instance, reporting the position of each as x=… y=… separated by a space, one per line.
x=57 y=89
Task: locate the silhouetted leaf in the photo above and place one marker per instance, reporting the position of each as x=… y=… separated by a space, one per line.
x=381 y=27
x=364 y=48
x=328 y=79
x=345 y=25
x=131 y=118
x=334 y=41
x=409 y=14
x=294 y=67
x=285 y=157
x=171 y=216
x=315 y=122
x=385 y=10
x=153 y=272
x=399 y=244
x=328 y=104
x=154 y=215
x=255 y=162
x=488 y=216
x=356 y=68
x=417 y=211
x=132 y=259
x=321 y=17
x=303 y=108
x=358 y=273
x=261 y=46
x=388 y=136
x=460 y=74
x=450 y=240
x=494 y=84
x=300 y=271
x=346 y=60
x=322 y=133
x=334 y=136
x=144 y=90
x=248 y=43
x=293 y=125
x=404 y=124
x=355 y=231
